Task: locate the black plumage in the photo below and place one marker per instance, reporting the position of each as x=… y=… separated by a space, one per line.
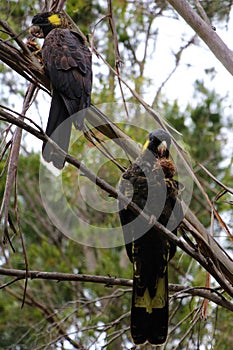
x=67 y=63
x=149 y=183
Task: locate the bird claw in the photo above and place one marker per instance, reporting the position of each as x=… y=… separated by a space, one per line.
x=152 y=220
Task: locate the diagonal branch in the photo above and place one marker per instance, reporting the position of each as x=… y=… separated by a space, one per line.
x=205 y=32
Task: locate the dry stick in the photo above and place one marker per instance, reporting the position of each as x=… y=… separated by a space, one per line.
x=51 y=318
x=207 y=264
x=101 y=123
x=99 y=144
x=116 y=334
x=205 y=32
x=161 y=122
x=10 y=180
x=177 y=325
x=27 y=66
x=118 y=60
x=14 y=36
x=210 y=294
x=156 y=116
x=21 y=44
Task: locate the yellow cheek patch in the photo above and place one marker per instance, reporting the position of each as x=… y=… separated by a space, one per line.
x=55 y=19
x=146 y=144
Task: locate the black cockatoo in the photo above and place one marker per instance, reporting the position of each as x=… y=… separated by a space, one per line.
x=67 y=63
x=149 y=183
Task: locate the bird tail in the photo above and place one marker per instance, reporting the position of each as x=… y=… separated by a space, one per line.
x=59 y=129
x=77 y=109
x=149 y=315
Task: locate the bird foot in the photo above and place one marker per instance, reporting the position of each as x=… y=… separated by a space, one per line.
x=153 y=220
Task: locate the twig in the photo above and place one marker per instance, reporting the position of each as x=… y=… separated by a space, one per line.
x=177 y=61
x=118 y=333
x=228 y=189
x=186 y=317
x=201 y=11
x=10 y=282
x=195 y=320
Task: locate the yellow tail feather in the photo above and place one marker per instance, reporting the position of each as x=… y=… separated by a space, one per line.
x=159 y=300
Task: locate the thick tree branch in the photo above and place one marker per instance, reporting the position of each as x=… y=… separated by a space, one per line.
x=205 y=32
x=109 y=281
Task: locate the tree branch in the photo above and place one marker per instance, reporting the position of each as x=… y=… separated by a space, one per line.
x=109 y=281
x=205 y=32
